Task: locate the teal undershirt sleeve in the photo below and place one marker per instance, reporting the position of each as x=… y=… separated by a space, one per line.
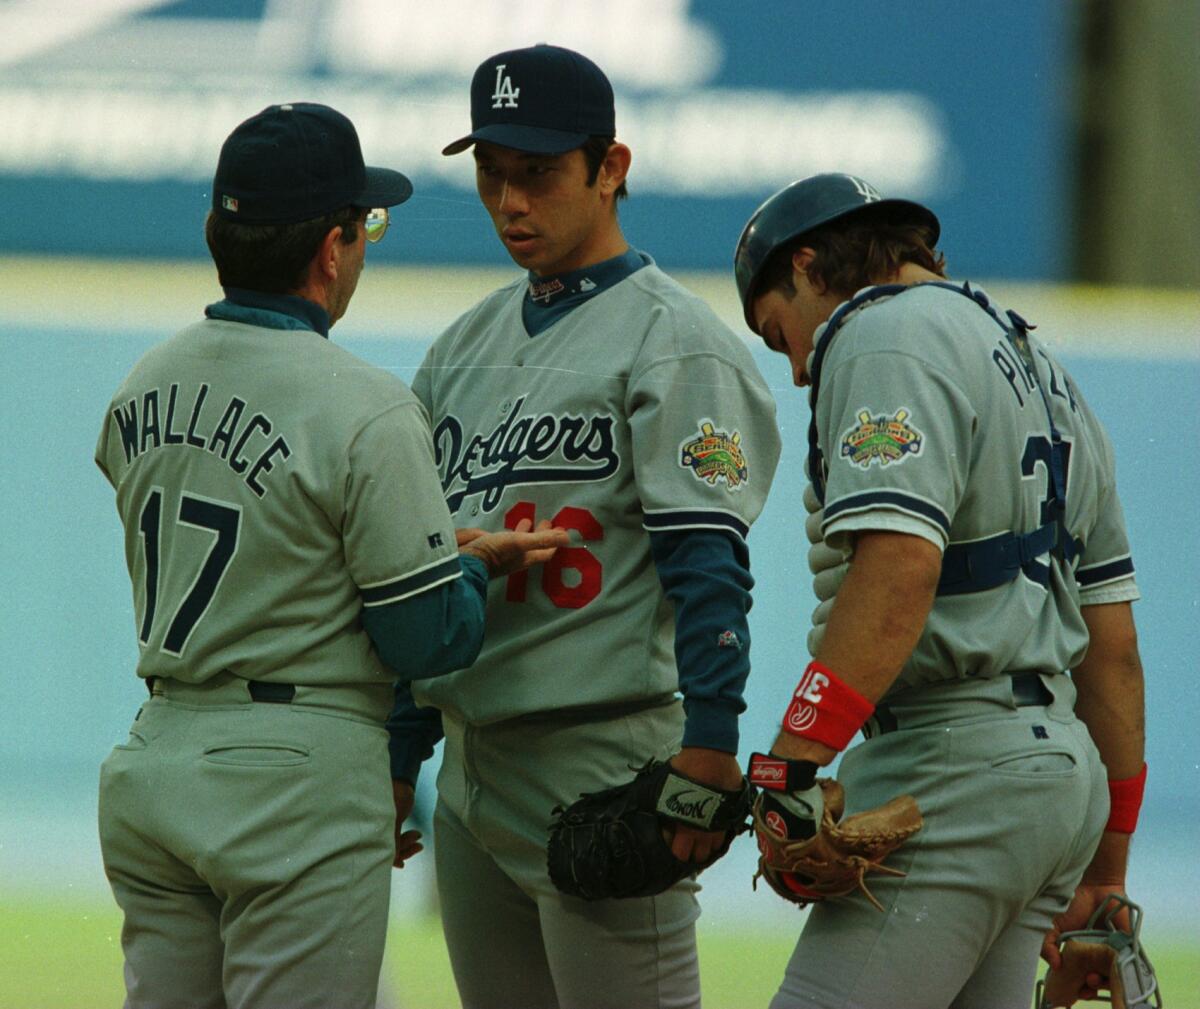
x=426 y=635
x=434 y=632
x=706 y=574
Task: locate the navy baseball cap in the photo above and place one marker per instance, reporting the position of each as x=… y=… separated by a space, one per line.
x=542 y=100
x=296 y=162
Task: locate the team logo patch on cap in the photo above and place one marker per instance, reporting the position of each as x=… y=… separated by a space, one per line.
x=715 y=455
x=881 y=439
x=505 y=96
x=229 y=203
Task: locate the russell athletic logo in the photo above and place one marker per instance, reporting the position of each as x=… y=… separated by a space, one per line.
x=802 y=712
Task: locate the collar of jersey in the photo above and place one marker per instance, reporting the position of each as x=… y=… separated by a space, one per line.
x=271 y=311
x=548 y=299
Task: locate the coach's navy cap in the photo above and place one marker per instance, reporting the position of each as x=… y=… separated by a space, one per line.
x=295 y=162
x=543 y=100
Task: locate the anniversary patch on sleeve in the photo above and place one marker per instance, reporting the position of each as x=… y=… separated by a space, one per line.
x=880 y=438
x=714 y=455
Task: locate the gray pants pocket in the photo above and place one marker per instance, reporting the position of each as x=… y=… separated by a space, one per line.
x=256 y=754
x=1039 y=763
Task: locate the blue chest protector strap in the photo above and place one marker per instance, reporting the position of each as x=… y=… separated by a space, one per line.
x=980 y=564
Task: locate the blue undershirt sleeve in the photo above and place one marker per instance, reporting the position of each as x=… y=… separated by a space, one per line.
x=413 y=732
x=706 y=574
x=434 y=632
x=429 y=634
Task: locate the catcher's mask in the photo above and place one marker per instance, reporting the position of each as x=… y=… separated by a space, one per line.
x=1131 y=973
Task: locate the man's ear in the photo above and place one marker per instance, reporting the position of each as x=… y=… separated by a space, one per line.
x=802 y=260
x=614 y=168
x=329 y=253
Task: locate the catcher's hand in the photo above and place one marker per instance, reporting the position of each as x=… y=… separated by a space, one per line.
x=1102 y=955
x=612 y=843
x=807 y=852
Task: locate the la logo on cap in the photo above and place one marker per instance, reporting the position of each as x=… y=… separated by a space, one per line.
x=505 y=96
x=229 y=203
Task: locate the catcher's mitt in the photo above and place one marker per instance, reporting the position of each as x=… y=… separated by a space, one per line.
x=610 y=844
x=835 y=860
x=1103 y=949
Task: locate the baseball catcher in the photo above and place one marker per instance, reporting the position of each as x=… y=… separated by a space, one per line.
x=807 y=852
x=943 y=519
x=1102 y=955
x=616 y=842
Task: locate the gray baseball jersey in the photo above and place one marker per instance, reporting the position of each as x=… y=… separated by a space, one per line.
x=931 y=424
x=246 y=462
x=639 y=410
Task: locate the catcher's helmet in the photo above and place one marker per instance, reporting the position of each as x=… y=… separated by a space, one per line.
x=800 y=207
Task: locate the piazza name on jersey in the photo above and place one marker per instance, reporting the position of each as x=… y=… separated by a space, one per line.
x=1022 y=380
x=247 y=448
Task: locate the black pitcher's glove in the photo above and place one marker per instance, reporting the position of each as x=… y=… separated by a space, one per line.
x=611 y=843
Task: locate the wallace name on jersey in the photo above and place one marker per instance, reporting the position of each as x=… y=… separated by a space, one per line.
x=146 y=422
x=524 y=448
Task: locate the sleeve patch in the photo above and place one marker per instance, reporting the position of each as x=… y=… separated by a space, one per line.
x=713 y=455
x=882 y=439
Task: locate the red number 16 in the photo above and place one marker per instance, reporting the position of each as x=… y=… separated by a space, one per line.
x=581 y=559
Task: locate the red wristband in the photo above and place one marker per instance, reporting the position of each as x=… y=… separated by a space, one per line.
x=826 y=710
x=1125 y=802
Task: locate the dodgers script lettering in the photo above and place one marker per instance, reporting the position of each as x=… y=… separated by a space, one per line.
x=522 y=449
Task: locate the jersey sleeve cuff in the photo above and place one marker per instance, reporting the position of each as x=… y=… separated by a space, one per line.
x=695 y=518
x=475 y=572
x=838 y=532
x=711 y=724
x=407 y=752
x=440 y=571
x=1124 y=590
x=1092 y=576
x=406 y=765
x=890 y=511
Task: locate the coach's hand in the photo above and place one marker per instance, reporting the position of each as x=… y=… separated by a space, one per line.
x=510 y=551
x=710 y=767
x=408 y=842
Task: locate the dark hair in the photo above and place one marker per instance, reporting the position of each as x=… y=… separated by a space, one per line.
x=272 y=258
x=854 y=252
x=594 y=152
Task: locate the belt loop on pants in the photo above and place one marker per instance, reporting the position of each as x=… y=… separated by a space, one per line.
x=1028 y=691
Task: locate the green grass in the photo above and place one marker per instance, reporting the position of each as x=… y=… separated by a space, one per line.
x=55 y=955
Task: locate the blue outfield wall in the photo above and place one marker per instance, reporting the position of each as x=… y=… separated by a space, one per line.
x=67 y=631
x=111 y=122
